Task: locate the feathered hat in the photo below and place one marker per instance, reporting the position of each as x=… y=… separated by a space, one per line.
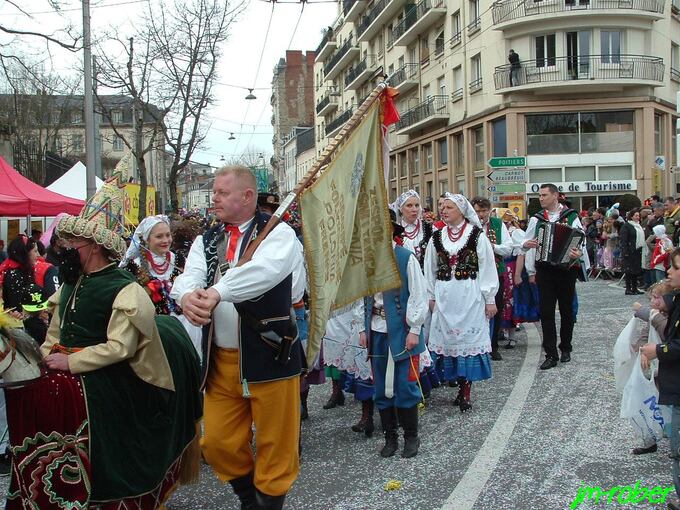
x=100 y=220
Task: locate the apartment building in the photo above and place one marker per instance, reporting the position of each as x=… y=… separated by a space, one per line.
x=292 y=104
x=42 y=123
x=298 y=156
x=591 y=102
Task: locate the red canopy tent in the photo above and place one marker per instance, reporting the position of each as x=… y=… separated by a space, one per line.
x=20 y=196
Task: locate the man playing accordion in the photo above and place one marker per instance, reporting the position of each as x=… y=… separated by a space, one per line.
x=556 y=282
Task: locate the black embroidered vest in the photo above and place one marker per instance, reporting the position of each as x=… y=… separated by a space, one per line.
x=464 y=264
x=257 y=359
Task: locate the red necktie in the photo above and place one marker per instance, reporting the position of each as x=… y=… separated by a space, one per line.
x=234 y=234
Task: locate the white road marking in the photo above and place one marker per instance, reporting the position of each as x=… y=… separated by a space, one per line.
x=471 y=485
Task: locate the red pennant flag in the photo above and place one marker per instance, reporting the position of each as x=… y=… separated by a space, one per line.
x=390 y=113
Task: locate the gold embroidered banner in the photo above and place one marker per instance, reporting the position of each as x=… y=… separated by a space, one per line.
x=347 y=228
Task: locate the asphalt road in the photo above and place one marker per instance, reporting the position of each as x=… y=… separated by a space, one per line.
x=531 y=441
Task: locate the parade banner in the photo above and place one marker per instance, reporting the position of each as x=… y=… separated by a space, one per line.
x=347 y=228
x=131 y=204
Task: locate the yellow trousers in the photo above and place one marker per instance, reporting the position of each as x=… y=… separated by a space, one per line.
x=274 y=408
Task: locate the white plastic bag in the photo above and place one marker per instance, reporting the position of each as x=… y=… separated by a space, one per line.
x=640 y=404
x=623 y=355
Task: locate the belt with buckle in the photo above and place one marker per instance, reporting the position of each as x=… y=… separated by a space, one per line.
x=379 y=311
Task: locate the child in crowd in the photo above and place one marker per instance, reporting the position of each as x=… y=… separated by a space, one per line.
x=660 y=259
x=668 y=354
x=655 y=315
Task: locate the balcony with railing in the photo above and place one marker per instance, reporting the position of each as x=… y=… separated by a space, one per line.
x=339 y=60
x=474 y=26
x=326 y=46
x=457 y=95
x=509 y=13
x=675 y=74
x=596 y=72
x=417 y=19
x=434 y=110
x=334 y=126
x=305 y=141
x=455 y=39
x=351 y=9
x=327 y=105
x=373 y=20
x=361 y=72
x=405 y=78
x=476 y=85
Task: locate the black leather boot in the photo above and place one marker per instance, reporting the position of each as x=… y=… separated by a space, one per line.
x=465 y=403
x=337 y=396
x=365 y=424
x=408 y=418
x=245 y=490
x=388 y=418
x=266 y=502
x=459 y=398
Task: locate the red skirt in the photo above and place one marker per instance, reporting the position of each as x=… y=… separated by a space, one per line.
x=49 y=438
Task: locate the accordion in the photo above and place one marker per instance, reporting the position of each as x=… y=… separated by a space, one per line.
x=555 y=241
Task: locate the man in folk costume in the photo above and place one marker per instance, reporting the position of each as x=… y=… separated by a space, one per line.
x=393 y=333
x=121 y=404
x=462 y=282
x=500 y=239
x=556 y=284
x=252 y=359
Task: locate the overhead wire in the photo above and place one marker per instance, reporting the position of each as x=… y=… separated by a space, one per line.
x=259 y=64
x=290 y=43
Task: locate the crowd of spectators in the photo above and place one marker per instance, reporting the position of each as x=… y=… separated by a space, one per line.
x=633 y=244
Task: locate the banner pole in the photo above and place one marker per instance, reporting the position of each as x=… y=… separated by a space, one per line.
x=309 y=177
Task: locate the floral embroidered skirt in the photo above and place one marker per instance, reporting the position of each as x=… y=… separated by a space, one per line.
x=50 y=445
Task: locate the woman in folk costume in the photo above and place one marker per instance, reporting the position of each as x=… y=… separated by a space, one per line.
x=415 y=236
x=508 y=322
x=343 y=354
x=120 y=404
x=462 y=283
x=150 y=260
x=393 y=332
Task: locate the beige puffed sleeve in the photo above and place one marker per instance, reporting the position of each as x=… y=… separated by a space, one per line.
x=131 y=334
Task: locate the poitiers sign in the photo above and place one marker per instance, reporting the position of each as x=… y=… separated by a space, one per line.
x=614 y=187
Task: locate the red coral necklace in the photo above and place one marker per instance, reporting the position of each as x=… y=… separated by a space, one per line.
x=456 y=235
x=413 y=233
x=161 y=268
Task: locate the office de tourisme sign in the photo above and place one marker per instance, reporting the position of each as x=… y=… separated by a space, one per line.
x=589 y=186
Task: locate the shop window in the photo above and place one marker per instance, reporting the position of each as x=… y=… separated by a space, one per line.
x=500 y=143
x=480 y=185
x=611 y=173
x=584 y=132
x=579 y=173
x=461 y=186
x=442 y=145
x=606 y=131
x=429 y=161
x=460 y=154
x=542 y=175
x=658 y=134
x=414 y=162
x=555 y=133
x=478 y=140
